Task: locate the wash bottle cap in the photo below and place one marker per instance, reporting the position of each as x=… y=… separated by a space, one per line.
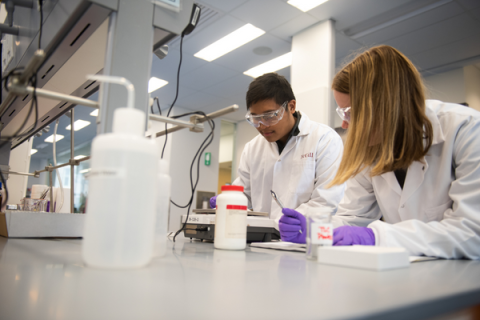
x=125 y=120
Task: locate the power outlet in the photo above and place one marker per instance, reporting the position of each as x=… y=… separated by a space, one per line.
x=7 y=51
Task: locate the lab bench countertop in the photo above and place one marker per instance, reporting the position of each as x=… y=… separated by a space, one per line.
x=47 y=279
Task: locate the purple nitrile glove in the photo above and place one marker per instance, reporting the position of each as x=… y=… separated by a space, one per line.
x=292 y=226
x=213 y=202
x=350 y=235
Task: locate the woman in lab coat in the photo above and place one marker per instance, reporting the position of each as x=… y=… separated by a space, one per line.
x=415 y=163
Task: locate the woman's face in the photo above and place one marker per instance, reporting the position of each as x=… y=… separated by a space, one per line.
x=343 y=101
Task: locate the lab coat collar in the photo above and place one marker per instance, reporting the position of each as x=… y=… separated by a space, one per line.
x=305 y=125
x=438 y=136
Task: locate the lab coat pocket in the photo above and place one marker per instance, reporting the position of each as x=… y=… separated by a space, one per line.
x=436 y=213
x=302 y=178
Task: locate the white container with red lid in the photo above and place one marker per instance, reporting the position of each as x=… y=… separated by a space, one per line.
x=231 y=219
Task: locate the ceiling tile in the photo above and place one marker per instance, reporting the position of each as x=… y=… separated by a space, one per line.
x=208 y=35
x=476 y=13
x=235 y=86
x=436 y=35
x=167 y=68
x=166 y=94
x=344 y=46
x=244 y=58
x=463 y=49
x=469 y=4
x=348 y=13
x=266 y=14
x=207 y=76
x=223 y=5
x=415 y=23
x=294 y=26
x=197 y=101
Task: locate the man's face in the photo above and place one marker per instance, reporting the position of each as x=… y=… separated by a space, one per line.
x=280 y=130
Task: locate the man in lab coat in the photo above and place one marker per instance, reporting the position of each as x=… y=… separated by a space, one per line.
x=293 y=156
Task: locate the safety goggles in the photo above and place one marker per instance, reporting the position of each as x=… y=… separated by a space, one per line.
x=344 y=113
x=268 y=118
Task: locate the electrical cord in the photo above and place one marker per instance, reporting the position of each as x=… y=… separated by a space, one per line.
x=176 y=93
x=158 y=106
x=40 y=7
x=208 y=140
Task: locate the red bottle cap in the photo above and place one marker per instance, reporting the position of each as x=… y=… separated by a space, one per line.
x=232 y=188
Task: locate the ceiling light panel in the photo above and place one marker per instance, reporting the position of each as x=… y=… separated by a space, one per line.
x=305 y=5
x=50 y=138
x=77 y=125
x=270 y=66
x=155 y=84
x=33 y=151
x=230 y=42
x=94 y=113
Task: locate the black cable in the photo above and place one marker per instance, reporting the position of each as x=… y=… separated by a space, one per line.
x=176 y=93
x=40 y=3
x=196 y=154
x=158 y=106
x=208 y=140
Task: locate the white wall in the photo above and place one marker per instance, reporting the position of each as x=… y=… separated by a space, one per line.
x=448 y=86
x=20 y=162
x=184 y=145
x=472 y=86
x=226 y=148
x=244 y=133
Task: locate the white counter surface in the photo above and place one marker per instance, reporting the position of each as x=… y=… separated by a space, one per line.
x=47 y=279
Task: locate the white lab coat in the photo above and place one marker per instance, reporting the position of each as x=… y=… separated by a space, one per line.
x=438 y=211
x=298 y=176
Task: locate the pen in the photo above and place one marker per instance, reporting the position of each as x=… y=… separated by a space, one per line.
x=274 y=196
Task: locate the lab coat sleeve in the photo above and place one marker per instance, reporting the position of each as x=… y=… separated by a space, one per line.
x=243 y=172
x=457 y=235
x=359 y=205
x=327 y=160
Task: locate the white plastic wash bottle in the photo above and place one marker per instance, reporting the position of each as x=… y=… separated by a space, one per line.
x=163 y=205
x=231 y=219
x=120 y=219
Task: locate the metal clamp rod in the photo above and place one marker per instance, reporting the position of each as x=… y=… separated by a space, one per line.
x=5 y=28
x=169 y=130
x=72 y=161
x=21 y=90
x=181 y=123
x=201 y=119
x=216 y=114
x=20 y=173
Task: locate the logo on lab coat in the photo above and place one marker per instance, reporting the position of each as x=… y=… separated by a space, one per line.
x=307 y=155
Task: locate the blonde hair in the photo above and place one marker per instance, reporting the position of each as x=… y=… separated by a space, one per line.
x=388 y=127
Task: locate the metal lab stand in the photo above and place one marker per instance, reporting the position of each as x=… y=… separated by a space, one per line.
x=135 y=28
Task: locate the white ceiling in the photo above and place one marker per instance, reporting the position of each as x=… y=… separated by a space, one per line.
x=445 y=36
x=439 y=39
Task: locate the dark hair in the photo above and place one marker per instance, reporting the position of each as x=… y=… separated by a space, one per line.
x=269 y=86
